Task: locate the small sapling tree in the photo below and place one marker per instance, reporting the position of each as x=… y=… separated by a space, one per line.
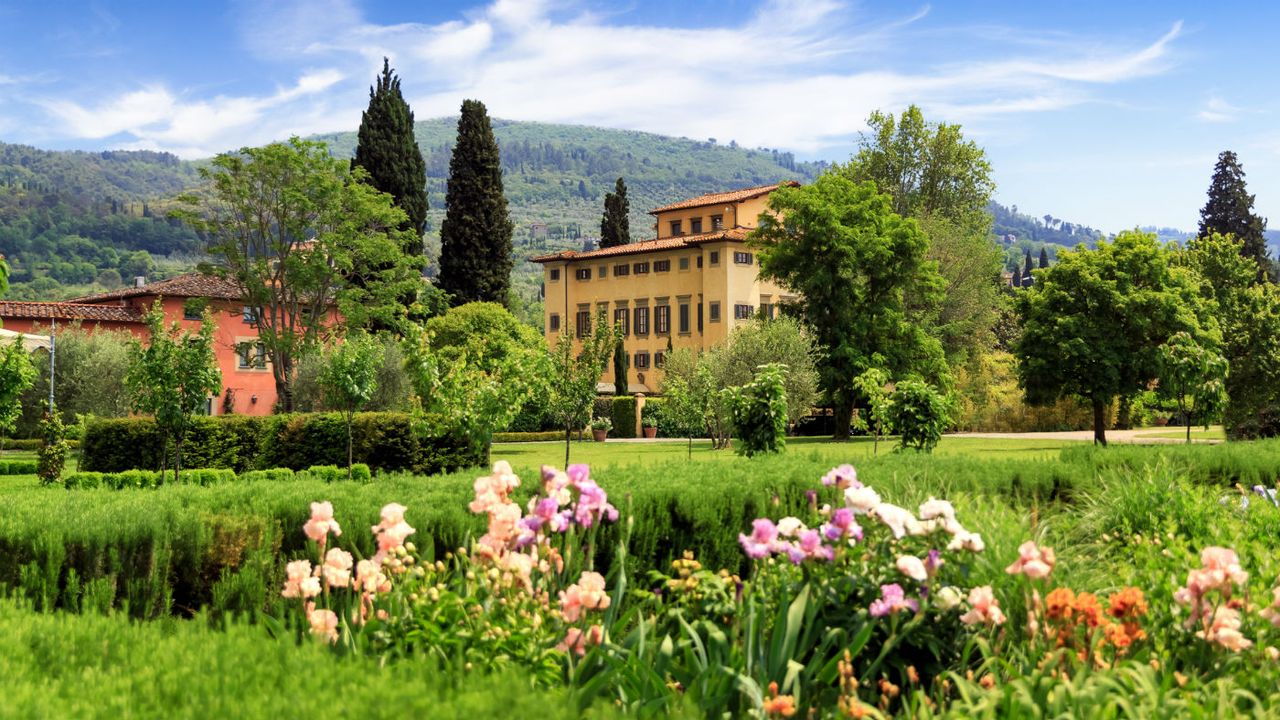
x=349 y=378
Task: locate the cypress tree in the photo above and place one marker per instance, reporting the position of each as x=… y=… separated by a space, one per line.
x=1027 y=279
x=615 y=227
x=1229 y=210
x=619 y=369
x=1044 y=258
x=388 y=151
x=475 y=237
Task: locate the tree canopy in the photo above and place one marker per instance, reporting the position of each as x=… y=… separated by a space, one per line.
x=1094 y=322
x=303 y=235
x=852 y=262
x=1229 y=211
x=475 y=237
x=615 y=226
x=388 y=151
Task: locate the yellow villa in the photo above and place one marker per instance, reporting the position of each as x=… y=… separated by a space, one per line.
x=689 y=287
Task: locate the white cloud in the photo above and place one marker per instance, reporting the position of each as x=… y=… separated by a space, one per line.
x=1217 y=110
x=794 y=73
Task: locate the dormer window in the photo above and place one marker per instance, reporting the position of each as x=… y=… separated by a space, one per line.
x=717 y=222
x=675 y=228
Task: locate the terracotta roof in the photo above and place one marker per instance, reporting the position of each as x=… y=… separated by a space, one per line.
x=188 y=285
x=68 y=311
x=731 y=196
x=636 y=248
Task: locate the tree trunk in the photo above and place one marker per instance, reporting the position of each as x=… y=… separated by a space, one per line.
x=568 y=438
x=177 y=460
x=843 y=417
x=1099 y=423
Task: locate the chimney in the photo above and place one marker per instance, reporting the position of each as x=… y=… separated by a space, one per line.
x=139 y=281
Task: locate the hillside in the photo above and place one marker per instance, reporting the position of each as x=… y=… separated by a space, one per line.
x=74 y=222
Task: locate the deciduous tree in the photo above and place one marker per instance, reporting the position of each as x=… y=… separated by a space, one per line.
x=173 y=377
x=303 y=234
x=1192 y=375
x=575 y=376
x=851 y=261
x=349 y=378
x=1093 y=323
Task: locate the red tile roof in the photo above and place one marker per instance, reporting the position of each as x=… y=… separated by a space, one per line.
x=188 y=285
x=731 y=196
x=68 y=311
x=636 y=248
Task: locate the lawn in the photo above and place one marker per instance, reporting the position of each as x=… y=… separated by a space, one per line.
x=1215 y=432
x=622 y=453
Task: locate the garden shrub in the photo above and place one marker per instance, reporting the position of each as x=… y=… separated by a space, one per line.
x=361 y=473
x=325 y=473
x=515 y=437
x=18 y=467
x=52 y=455
x=272 y=475
x=384 y=441
x=919 y=414
x=759 y=411
x=622 y=411
x=602 y=406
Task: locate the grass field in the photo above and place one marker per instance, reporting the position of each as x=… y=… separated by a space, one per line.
x=1215 y=432
x=621 y=453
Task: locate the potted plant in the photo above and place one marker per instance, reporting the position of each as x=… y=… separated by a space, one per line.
x=600 y=428
x=649 y=421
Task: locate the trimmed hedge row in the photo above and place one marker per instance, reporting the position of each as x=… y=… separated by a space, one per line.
x=383 y=441
x=514 y=437
x=30 y=444
x=209 y=476
x=18 y=467
x=622 y=411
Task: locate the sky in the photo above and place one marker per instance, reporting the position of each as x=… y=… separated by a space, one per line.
x=1110 y=114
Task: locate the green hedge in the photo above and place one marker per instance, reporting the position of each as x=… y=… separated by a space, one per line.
x=90 y=666
x=17 y=467
x=383 y=441
x=209 y=476
x=622 y=411
x=515 y=437
x=30 y=444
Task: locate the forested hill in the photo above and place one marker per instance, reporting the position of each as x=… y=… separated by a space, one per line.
x=75 y=222
x=559 y=174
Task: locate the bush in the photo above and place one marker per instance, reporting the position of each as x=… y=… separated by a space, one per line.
x=918 y=413
x=622 y=411
x=18 y=467
x=272 y=475
x=52 y=455
x=383 y=441
x=760 y=412
x=325 y=473
x=515 y=437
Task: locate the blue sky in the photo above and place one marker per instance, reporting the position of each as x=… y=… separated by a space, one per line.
x=1104 y=113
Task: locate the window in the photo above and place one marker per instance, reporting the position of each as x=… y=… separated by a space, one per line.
x=642 y=321
x=554 y=322
x=766 y=310
x=249 y=317
x=620 y=320
x=584 y=273
x=555 y=274
x=742 y=258
x=251 y=355
x=699 y=317
x=684 y=263
x=584 y=323
x=699 y=262
x=602 y=272
x=191 y=311
x=715 y=257
x=675 y=227
x=641 y=268
x=742 y=312
x=642 y=360
x=715 y=312
x=695 y=226
x=620 y=270
x=659 y=359
x=717 y=222
x=662 y=266
x=662 y=319
x=684 y=318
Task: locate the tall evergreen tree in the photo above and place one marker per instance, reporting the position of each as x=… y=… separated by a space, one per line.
x=615 y=228
x=475 y=237
x=620 y=368
x=1229 y=210
x=388 y=151
x=1027 y=278
x=1044 y=258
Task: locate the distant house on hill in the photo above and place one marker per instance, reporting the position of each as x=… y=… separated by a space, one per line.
x=248 y=385
x=538 y=230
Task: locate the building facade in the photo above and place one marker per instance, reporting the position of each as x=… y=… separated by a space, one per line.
x=248 y=385
x=687 y=288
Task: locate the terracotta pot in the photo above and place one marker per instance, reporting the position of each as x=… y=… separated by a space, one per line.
x=599 y=435
x=650 y=433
